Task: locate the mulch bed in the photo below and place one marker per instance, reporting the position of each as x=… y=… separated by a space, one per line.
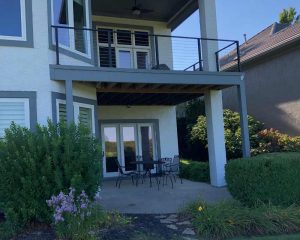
x=147 y=226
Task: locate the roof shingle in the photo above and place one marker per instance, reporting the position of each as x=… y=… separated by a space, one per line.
x=273 y=37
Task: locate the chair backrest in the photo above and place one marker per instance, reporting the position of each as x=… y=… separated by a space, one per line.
x=119 y=166
x=176 y=159
x=167 y=162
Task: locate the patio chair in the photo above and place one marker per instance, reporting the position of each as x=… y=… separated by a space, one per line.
x=165 y=171
x=122 y=174
x=172 y=168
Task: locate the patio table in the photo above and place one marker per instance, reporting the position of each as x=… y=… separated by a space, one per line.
x=148 y=169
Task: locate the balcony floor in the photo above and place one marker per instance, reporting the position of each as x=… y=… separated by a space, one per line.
x=145 y=87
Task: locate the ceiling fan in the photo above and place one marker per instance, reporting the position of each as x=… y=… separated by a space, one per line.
x=137 y=9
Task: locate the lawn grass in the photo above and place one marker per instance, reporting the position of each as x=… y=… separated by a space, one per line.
x=282 y=237
x=230 y=219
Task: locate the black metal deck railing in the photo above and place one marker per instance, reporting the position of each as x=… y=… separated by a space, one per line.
x=139 y=49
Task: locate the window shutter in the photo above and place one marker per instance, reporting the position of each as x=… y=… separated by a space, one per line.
x=62 y=113
x=12 y=112
x=85 y=117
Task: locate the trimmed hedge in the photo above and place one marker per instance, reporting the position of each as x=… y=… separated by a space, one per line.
x=194 y=171
x=265 y=178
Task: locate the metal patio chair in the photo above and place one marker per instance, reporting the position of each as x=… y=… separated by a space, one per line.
x=123 y=174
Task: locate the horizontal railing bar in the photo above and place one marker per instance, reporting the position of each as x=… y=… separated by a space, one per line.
x=226 y=47
x=150 y=35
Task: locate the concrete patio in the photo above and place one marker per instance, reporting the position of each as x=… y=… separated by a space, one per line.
x=146 y=200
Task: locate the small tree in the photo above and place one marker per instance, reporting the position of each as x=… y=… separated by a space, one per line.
x=288 y=16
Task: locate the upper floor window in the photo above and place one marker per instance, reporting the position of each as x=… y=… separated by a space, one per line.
x=12 y=20
x=124 y=48
x=73 y=17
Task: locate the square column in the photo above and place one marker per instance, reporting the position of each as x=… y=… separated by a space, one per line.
x=216 y=137
x=69 y=101
x=208 y=24
x=244 y=120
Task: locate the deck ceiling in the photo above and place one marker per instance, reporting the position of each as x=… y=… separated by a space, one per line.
x=172 y=11
x=150 y=94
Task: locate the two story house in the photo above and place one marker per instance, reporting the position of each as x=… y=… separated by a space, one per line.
x=115 y=66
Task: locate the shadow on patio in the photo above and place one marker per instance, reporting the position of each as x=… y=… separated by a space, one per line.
x=146 y=200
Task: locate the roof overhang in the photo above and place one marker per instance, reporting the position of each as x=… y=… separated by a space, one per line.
x=173 y=12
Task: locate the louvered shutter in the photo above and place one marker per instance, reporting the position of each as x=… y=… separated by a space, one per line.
x=12 y=112
x=62 y=112
x=85 y=117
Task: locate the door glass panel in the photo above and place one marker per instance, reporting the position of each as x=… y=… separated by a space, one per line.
x=125 y=60
x=129 y=144
x=60 y=15
x=80 y=23
x=142 y=60
x=111 y=149
x=147 y=144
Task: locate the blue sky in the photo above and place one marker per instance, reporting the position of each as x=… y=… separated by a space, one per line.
x=236 y=17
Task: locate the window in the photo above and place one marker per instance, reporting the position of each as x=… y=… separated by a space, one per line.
x=124 y=48
x=72 y=14
x=83 y=113
x=13 y=110
x=12 y=20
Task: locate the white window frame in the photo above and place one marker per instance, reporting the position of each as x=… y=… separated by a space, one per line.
x=76 y=106
x=26 y=108
x=70 y=13
x=133 y=47
x=23 y=36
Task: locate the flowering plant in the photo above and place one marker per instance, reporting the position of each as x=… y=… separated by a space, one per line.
x=75 y=217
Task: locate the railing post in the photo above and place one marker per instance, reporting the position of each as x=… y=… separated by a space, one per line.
x=200 y=54
x=238 y=56
x=109 y=49
x=217 y=62
x=56 y=45
x=156 y=51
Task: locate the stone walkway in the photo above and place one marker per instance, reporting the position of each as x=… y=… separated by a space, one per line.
x=145 y=200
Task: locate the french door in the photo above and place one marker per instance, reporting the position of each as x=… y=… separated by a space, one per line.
x=122 y=143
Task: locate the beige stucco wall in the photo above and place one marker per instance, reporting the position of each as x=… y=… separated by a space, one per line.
x=273 y=91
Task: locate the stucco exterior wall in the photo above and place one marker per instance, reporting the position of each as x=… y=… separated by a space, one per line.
x=273 y=91
x=166 y=116
x=27 y=69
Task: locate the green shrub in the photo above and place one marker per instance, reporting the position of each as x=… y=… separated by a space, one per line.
x=233 y=137
x=270 y=140
x=226 y=220
x=194 y=171
x=36 y=165
x=267 y=178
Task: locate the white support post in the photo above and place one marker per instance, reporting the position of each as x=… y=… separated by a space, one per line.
x=213 y=98
x=216 y=138
x=208 y=25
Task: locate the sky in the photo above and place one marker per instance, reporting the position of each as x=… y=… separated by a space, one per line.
x=238 y=17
